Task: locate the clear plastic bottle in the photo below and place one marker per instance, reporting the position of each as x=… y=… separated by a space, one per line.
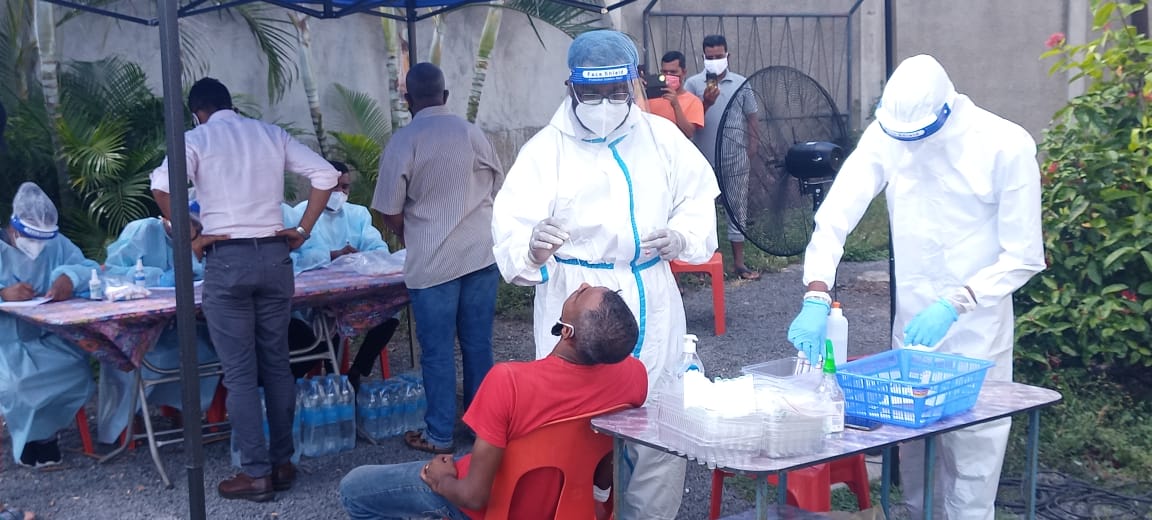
x=95 y=287
x=138 y=277
x=409 y=401
x=347 y=416
x=838 y=333
x=297 y=420
x=372 y=413
x=690 y=361
x=331 y=417
x=830 y=392
x=311 y=425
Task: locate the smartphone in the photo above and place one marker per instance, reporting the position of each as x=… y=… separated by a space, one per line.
x=859 y=423
x=710 y=79
x=654 y=85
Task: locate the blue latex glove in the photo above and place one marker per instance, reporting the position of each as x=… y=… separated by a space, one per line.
x=807 y=331
x=930 y=326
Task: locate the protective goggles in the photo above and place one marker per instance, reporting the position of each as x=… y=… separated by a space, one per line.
x=33 y=232
x=921 y=129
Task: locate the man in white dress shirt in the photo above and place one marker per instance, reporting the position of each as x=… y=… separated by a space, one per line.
x=237 y=165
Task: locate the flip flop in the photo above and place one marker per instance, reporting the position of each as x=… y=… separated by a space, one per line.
x=416 y=441
x=747 y=274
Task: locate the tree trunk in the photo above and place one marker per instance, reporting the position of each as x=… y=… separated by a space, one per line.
x=483 y=54
x=308 y=78
x=399 y=109
x=437 y=36
x=48 y=73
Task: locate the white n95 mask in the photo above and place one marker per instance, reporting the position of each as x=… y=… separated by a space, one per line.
x=717 y=66
x=604 y=118
x=336 y=201
x=30 y=246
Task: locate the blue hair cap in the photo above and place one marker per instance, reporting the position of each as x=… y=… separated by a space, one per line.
x=603 y=48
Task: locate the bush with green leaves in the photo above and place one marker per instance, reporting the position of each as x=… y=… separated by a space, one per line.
x=1092 y=305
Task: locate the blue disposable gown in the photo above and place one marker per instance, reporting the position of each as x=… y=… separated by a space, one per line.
x=146 y=239
x=333 y=231
x=44 y=379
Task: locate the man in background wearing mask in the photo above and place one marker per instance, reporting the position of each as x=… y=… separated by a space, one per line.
x=150 y=241
x=678 y=105
x=342 y=229
x=717 y=86
x=438 y=176
x=607 y=195
x=963 y=192
x=44 y=380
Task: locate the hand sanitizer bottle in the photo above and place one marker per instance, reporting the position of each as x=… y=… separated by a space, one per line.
x=95 y=288
x=690 y=360
x=138 y=277
x=838 y=333
x=830 y=392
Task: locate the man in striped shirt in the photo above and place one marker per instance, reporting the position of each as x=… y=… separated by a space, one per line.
x=438 y=176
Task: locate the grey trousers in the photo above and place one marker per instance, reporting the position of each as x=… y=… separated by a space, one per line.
x=248 y=288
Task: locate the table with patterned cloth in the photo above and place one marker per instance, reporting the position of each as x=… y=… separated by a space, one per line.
x=120 y=333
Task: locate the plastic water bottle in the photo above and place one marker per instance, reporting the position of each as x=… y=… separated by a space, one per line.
x=331 y=412
x=371 y=413
x=138 y=277
x=385 y=402
x=421 y=405
x=347 y=416
x=838 y=333
x=409 y=401
x=830 y=392
x=690 y=361
x=95 y=288
x=312 y=422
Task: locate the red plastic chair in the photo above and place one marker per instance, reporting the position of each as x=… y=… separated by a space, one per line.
x=577 y=460
x=85 y=434
x=715 y=269
x=810 y=488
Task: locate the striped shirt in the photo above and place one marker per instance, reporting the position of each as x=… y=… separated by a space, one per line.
x=441 y=173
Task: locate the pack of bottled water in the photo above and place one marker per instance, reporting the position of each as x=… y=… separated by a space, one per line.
x=264 y=420
x=391 y=407
x=326 y=415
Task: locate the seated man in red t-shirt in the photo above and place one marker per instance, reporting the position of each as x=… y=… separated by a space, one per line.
x=590 y=369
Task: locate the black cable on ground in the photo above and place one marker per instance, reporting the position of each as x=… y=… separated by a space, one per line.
x=1061 y=497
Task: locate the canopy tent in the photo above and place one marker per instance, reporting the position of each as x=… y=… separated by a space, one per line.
x=165 y=17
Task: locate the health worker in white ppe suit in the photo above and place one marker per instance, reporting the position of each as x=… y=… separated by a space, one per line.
x=607 y=194
x=963 y=193
x=44 y=379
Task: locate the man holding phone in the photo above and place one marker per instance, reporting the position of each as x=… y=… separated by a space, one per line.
x=674 y=103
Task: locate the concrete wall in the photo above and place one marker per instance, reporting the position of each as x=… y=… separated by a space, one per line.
x=990 y=47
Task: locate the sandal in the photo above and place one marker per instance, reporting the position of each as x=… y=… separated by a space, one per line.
x=747 y=274
x=416 y=441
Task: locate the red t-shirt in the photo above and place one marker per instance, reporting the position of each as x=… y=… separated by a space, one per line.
x=517 y=398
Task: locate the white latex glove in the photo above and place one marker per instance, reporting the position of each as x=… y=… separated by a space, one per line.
x=547 y=237
x=666 y=242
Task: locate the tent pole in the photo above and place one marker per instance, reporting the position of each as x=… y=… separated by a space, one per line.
x=182 y=247
x=410 y=16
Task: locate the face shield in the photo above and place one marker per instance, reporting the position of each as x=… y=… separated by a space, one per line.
x=917 y=101
x=31 y=239
x=603 y=97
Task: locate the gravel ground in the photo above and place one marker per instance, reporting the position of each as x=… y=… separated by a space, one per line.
x=128 y=488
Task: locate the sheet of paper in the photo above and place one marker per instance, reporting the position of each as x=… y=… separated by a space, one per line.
x=30 y=303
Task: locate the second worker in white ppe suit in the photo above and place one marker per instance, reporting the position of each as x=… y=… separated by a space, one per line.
x=607 y=194
x=963 y=193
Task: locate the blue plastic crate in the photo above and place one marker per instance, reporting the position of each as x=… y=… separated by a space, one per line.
x=909 y=387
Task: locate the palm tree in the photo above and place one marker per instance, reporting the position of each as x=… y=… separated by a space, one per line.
x=308 y=78
x=399 y=109
x=569 y=20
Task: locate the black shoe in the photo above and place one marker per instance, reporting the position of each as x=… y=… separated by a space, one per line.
x=39 y=454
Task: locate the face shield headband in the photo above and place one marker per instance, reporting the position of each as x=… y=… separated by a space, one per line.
x=602 y=75
x=926 y=127
x=31 y=232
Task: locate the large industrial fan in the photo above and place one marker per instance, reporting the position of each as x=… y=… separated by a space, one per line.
x=780 y=143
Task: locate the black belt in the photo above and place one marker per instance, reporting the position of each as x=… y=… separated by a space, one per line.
x=249 y=241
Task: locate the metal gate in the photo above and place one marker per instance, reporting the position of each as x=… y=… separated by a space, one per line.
x=820 y=44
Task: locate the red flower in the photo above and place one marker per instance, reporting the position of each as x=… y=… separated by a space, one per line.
x=1056 y=40
x=1128 y=295
x=1053 y=166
